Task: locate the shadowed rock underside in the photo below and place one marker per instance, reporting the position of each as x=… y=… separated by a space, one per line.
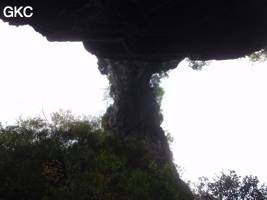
x=151 y=30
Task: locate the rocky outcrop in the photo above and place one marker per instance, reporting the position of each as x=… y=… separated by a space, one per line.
x=151 y=30
x=135 y=113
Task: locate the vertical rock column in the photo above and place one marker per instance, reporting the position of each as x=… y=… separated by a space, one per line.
x=135 y=113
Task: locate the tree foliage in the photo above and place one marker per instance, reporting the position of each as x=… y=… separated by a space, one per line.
x=197 y=64
x=259 y=56
x=72 y=157
x=230 y=187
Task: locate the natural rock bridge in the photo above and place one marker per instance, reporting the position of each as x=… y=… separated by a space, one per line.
x=137 y=38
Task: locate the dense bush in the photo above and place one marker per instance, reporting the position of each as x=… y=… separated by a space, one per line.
x=74 y=158
x=230 y=187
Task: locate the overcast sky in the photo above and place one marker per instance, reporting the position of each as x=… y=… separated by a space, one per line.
x=217 y=116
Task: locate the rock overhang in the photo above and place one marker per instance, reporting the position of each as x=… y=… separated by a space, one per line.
x=151 y=30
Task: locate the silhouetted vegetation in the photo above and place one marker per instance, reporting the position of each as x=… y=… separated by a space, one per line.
x=197 y=64
x=230 y=187
x=259 y=56
x=72 y=157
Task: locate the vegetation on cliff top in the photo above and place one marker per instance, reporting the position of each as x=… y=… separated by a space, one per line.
x=72 y=157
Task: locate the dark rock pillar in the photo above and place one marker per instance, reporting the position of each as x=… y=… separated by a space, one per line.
x=135 y=112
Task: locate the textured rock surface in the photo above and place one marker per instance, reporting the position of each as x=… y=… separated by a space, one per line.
x=148 y=30
x=134 y=113
x=151 y=29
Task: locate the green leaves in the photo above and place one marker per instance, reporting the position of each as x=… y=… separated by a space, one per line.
x=74 y=158
x=230 y=186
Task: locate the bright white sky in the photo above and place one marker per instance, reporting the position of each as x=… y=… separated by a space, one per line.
x=217 y=116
